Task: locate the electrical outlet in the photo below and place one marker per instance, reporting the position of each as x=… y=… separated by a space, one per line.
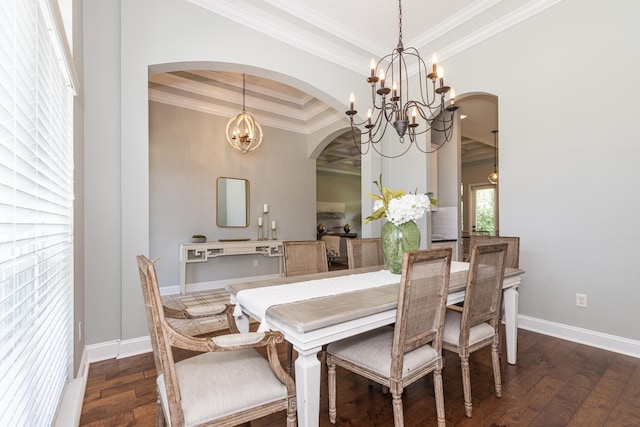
x=255 y=262
x=581 y=300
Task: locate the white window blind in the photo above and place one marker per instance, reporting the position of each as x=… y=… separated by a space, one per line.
x=36 y=199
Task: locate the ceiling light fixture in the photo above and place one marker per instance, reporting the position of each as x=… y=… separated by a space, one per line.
x=392 y=104
x=243 y=132
x=493 y=177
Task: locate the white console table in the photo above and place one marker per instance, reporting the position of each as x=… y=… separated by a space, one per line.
x=201 y=252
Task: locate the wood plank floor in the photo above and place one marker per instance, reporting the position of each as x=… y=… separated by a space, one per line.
x=555 y=383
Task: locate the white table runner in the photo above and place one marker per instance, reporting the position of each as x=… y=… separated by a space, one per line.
x=257 y=301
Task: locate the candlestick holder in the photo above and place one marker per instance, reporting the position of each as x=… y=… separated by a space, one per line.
x=273 y=234
x=261 y=233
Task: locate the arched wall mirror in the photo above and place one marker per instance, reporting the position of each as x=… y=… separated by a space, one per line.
x=232 y=202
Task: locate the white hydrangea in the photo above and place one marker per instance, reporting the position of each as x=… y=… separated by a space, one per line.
x=409 y=207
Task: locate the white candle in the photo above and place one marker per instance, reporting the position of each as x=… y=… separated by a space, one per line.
x=266 y=208
x=273 y=225
x=259 y=221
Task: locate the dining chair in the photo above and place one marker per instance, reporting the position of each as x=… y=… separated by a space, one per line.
x=476 y=324
x=304 y=257
x=396 y=356
x=228 y=383
x=203 y=311
x=513 y=249
x=366 y=252
x=332 y=244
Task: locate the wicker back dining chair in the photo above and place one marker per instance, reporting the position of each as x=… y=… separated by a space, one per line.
x=304 y=257
x=396 y=356
x=365 y=252
x=513 y=246
x=476 y=324
x=229 y=383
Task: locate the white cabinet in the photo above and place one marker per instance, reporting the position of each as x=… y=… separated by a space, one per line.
x=453 y=244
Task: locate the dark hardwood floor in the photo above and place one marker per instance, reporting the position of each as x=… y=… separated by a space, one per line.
x=555 y=383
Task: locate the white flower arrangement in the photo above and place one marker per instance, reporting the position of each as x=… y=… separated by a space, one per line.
x=398 y=206
x=409 y=207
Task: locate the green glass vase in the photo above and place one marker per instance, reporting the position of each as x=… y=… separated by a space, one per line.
x=396 y=240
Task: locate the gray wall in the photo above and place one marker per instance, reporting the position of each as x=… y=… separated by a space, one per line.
x=102 y=172
x=568 y=163
x=187 y=153
x=564 y=80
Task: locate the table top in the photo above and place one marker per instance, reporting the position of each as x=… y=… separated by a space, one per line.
x=309 y=315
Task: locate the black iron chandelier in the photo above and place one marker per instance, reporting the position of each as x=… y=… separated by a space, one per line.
x=392 y=104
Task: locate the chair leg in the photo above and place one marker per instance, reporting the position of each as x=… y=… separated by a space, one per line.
x=292 y=413
x=466 y=385
x=160 y=422
x=439 y=392
x=398 y=416
x=331 y=380
x=495 y=358
x=289 y=357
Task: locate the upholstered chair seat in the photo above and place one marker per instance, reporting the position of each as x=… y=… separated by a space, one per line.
x=241 y=379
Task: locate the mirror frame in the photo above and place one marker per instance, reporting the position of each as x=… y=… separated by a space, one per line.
x=219 y=204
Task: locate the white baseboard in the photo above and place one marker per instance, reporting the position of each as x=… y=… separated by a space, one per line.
x=583 y=336
x=70 y=407
x=118 y=349
x=216 y=284
x=126 y=348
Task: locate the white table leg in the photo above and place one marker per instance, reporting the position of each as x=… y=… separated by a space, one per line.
x=183 y=273
x=242 y=322
x=308 y=387
x=510 y=298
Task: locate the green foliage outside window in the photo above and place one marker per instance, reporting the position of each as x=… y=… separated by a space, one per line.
x=485 y=208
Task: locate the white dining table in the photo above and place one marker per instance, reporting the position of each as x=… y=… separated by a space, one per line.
x=319 y=318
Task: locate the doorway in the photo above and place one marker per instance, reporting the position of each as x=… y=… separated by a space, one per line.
x=483 y=212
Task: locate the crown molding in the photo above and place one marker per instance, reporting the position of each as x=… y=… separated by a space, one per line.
x=255 y=18
x=302 y=126
x=530 y=9
x=300 y=37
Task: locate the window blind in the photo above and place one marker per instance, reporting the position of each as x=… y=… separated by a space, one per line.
x=36 y=200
